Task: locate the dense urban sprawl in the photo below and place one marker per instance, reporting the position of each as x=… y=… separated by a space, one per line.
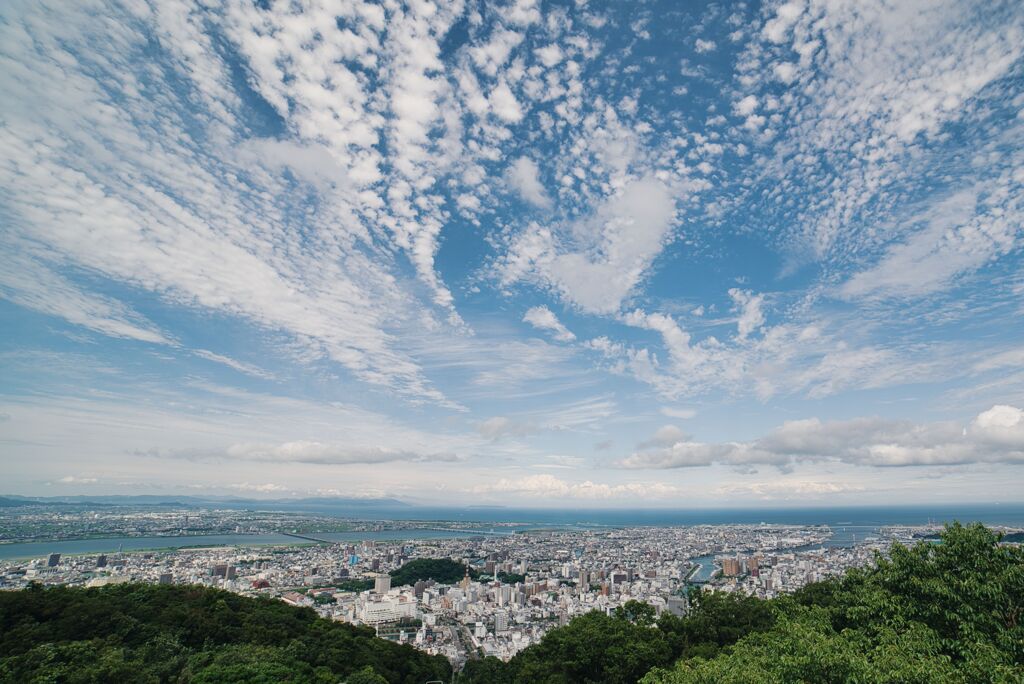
x=514 y=589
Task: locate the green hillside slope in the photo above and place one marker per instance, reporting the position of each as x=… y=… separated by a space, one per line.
x=146 y=633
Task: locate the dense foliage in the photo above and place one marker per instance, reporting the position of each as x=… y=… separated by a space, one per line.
x=354 y=585
x=143 y=633
x=621 y=648
x=441 y=570
x=937 y=612
x=946 y=612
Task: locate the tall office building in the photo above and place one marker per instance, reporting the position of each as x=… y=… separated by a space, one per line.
x=54 y=560
x=500 y=621
x=731 y=567
x=382 y=584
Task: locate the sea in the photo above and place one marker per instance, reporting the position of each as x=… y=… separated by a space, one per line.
x=992 y=514
x=847 y=523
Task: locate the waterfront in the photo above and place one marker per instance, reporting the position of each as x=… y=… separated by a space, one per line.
x=113 y=544
x=848 y=525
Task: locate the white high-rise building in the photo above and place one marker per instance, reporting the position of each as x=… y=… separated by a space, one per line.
x=500 y=621
x=382 y=584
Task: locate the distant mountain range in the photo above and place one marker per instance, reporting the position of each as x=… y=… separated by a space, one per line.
x=311 y=503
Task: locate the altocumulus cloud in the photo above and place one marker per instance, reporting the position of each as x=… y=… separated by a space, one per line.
x=995 y=435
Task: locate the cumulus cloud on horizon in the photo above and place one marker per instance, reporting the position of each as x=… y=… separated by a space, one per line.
x=549 y=486
x=995 y=435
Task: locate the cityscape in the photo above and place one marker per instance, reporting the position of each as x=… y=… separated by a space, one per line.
x=516 y=585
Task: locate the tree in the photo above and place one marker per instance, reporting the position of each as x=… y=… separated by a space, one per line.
x=366 y=676
x=442 y=570
x=146 y=633
x=639 y=612
x=947 y=611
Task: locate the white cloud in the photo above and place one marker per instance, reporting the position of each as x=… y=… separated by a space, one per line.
x=549 y=55
x=614 y=248
x=702 y=45
x=493 y=55
x=880 y=80
x=27 y=282
x=746 y=106
x=266 y=488
x=1013 y=358
x=183 y=218
x=138 y=428
x=777 y=28
x=551 y=487
x=500 y=426
x=959 y=236
x=524 y=177
x=504 y=104
x=665 y=436
x=788 y=490
x=311 y=162
x=314 y=452
x=1001 y=424
x=239 y=366
x=681 y=413
x=816 y=358
x=785 y=72
x=751 y=317
x=994 y=436
x=543 y=318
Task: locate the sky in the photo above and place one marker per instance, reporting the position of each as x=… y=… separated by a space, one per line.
x=559 y=254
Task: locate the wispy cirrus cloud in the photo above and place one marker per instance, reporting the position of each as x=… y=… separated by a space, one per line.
x=305 y=451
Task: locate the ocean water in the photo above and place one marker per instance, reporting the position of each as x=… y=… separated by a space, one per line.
x=871 y=516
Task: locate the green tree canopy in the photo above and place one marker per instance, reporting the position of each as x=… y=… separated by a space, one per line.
x=936 y=612
x=441 y=570
x=147 y=633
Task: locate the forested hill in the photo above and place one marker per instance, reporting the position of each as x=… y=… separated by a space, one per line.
x=951 y=611
x=441 y=570
x=146 y=633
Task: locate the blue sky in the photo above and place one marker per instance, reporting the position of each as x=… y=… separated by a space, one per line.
x=560 y=254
